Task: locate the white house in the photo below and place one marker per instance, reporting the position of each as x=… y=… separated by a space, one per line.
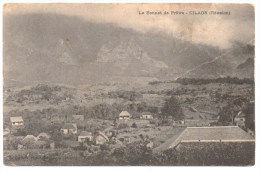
x=29 y=138
x=6 y=132
x=240 y=119
x=146 y=115
x=69 y=128
x=43 y=136
x=85 y=136
x=124 y=115
x=17 y=121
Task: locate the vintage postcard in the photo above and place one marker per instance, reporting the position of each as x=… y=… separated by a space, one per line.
x=128 y=84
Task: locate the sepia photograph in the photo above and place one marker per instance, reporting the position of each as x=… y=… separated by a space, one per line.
x=128 y=84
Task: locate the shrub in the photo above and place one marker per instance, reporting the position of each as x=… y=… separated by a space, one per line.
x=122 y=126
x=134 y=125
x=153 y=121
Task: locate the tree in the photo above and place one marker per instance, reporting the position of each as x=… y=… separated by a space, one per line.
x=229 y=112
x=172 y=107
x=249 y=110
x=134 y=125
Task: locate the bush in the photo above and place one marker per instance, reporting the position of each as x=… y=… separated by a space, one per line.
x=122 y=126
x=153 y=121
x=134 y=125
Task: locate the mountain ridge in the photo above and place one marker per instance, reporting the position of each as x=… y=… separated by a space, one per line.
x=65 y=49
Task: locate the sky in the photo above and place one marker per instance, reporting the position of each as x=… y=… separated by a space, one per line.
x=214 y=30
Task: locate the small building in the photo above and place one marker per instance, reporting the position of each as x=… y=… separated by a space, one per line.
x=69 y=128
x=124 y=115
x=52 y=145
x=6 y=132
x=146 y=115
x=207 y=145
x=110 y=133
x=150 y=145
x=30 y=137
x=85 y=136
x=240 y=119
x=19 y=147
x=78 y=117
x=17 y=121
x=252 y=133
x=43 y=136
x=101 y=139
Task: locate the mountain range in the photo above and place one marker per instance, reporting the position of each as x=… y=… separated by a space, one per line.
x=56 y=48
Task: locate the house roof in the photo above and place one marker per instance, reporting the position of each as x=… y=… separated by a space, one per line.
x=206 y=134
x=124 y=113
x=30 y=137
x=78 y=115
x=241 y=115
x=215 y=133
x=43 y=135
x=69 y=126
x=146 y=113
x=6 y=131
x=85 y=133
x=103 y=135
x=16 y=119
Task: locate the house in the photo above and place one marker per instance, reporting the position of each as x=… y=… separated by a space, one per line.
x=240 y=119
x=146 y=115
x=69 y=128
x=101 y=139
x=17 y=121
x=78 y=117
x=206 y=135
x=85 y=136
x=43 y=136
x=124 y=115
x=150 y=145
x=6 y=132
x=252 y=133
x=30 y=138
x=178 y=123
x=19 y=147
x=110 y=133
x=222 y=145
x=52 y=145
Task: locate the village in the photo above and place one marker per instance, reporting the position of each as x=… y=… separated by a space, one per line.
x=76 y=136
x=125 y=130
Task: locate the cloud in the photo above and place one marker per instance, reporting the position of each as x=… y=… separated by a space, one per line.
x=215 y=30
